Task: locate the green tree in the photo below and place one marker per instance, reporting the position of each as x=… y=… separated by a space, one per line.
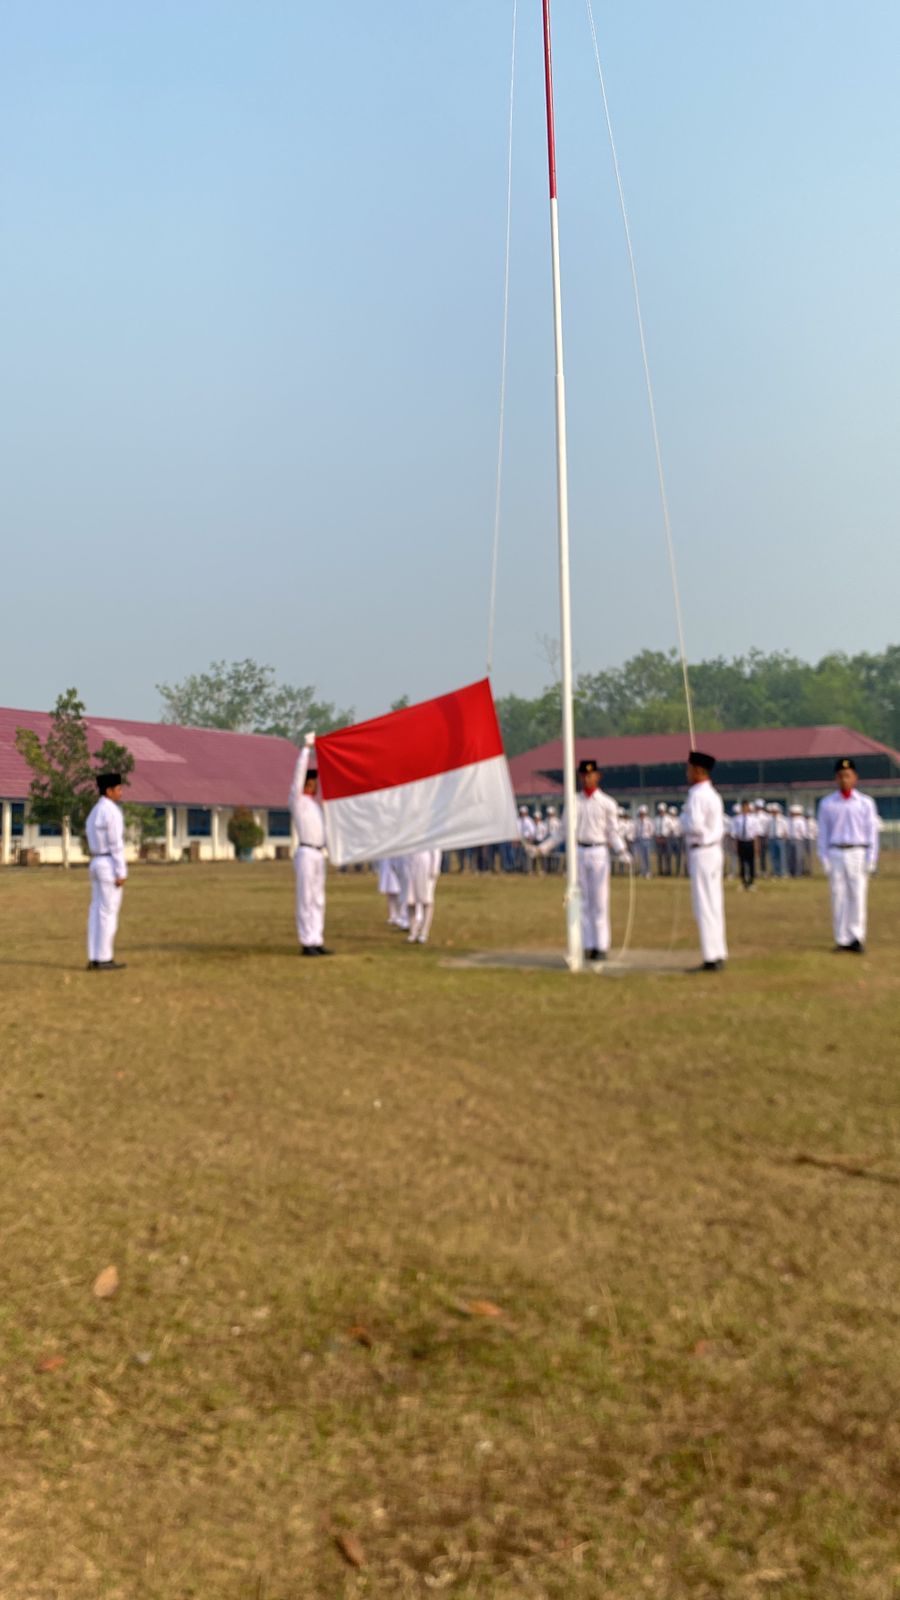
x=243 y=697
x=62 y=787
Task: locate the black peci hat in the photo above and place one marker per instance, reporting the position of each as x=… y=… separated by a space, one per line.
x=108 y=780
x=587 y=766
x=312 y=775
x=845 y=765
x=698 y=759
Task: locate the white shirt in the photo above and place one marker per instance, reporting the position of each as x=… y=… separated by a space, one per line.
x=105 y=829
x=797 y=827
x=645 y=827
x=526 y=829
x=763 y=823
x=851 y=821
x=663 y=825
x=703 y=817
x=309 y=818
x=596 y=822
x=777 y=826
x=744 y=825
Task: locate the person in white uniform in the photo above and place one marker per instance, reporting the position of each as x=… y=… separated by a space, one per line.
x=848 y=851
x=643 y=839
x=597 y=832
x=703 y=826
x=796 y=845
x=389 y=886
x=424 y=871
x=105 y=830
x=309 y=860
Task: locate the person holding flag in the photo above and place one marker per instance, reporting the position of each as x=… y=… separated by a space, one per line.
x=309 y=860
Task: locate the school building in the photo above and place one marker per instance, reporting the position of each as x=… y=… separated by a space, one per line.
x=790 y=765
x=194 y=778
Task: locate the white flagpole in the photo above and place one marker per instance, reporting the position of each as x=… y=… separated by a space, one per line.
x=573 y=893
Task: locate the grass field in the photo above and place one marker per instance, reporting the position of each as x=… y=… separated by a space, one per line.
x=318 y=1180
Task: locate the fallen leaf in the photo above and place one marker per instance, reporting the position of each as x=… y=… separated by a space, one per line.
x=50 y=1364
x=106 y=1283
x=351 y=1549
x=480 y=1308
x=361 y=1335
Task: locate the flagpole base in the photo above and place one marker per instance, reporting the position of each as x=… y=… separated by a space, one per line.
x=575 y=955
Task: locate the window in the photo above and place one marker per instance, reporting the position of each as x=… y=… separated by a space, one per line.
x=51 y=830
x=279 y=824
x=199 y=823
x=18 y=818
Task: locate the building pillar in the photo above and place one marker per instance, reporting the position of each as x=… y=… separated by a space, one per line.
x=170 y=833
x=214 y=831
x=6 y=835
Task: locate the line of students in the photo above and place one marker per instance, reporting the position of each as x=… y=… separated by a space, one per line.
x=847 y=832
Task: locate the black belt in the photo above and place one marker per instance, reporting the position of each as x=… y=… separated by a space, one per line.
x=101 y=855
x=304 y=846
x=592 y=844
x=848 y=847
x=708 y=846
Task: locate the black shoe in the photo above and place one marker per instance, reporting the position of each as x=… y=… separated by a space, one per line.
x=592 y=955
x=857 y=948
x=107 y=966
x=709 y=966
x=321 y=951
x=310 y=950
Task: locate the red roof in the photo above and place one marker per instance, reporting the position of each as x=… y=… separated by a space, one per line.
x=529 y=771
x=172 y=765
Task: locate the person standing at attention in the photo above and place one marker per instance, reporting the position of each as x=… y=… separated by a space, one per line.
x=105 y=830
x=309 y=861
x=848 y=851
x=597 y=832
x=703 y=825
x=743 y=828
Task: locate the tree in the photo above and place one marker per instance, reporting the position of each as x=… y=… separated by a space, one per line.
x=62 y=786
x=243 y=696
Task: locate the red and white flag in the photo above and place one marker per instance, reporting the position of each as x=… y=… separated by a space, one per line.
x=432 y=776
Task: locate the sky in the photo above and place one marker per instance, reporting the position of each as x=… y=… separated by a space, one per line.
x=251 y=266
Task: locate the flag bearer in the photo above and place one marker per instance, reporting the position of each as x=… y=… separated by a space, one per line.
x=597 y=832
x=389 y=886
x=105 y=829
x=424 y=871
x=848 y=851
x=703 y=824
x=309 y=861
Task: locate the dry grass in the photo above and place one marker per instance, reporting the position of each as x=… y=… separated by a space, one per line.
x=302 y=1170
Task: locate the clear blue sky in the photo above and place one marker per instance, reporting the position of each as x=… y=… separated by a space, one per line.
x=251 y=273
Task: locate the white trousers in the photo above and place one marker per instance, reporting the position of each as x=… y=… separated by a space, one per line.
x=708 y=901
x=309 y=871
x=593 y=881
x=103 y=917
x=849 y=883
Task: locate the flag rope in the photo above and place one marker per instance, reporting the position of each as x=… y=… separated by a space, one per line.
x=501 y=429
x=660 y=474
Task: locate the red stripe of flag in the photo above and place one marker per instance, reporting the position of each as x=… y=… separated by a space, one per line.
x=455 y=730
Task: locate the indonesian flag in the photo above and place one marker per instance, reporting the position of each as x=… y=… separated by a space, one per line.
x=432 y=776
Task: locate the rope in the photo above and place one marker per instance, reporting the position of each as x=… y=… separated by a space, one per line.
x=501 y=430
x=664 y=500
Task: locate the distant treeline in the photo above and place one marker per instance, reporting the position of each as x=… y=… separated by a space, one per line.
x=646 y=695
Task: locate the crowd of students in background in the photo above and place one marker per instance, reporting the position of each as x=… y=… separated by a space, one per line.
x=763 y=839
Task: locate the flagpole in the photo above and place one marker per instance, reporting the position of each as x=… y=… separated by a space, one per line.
x=573 y=893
